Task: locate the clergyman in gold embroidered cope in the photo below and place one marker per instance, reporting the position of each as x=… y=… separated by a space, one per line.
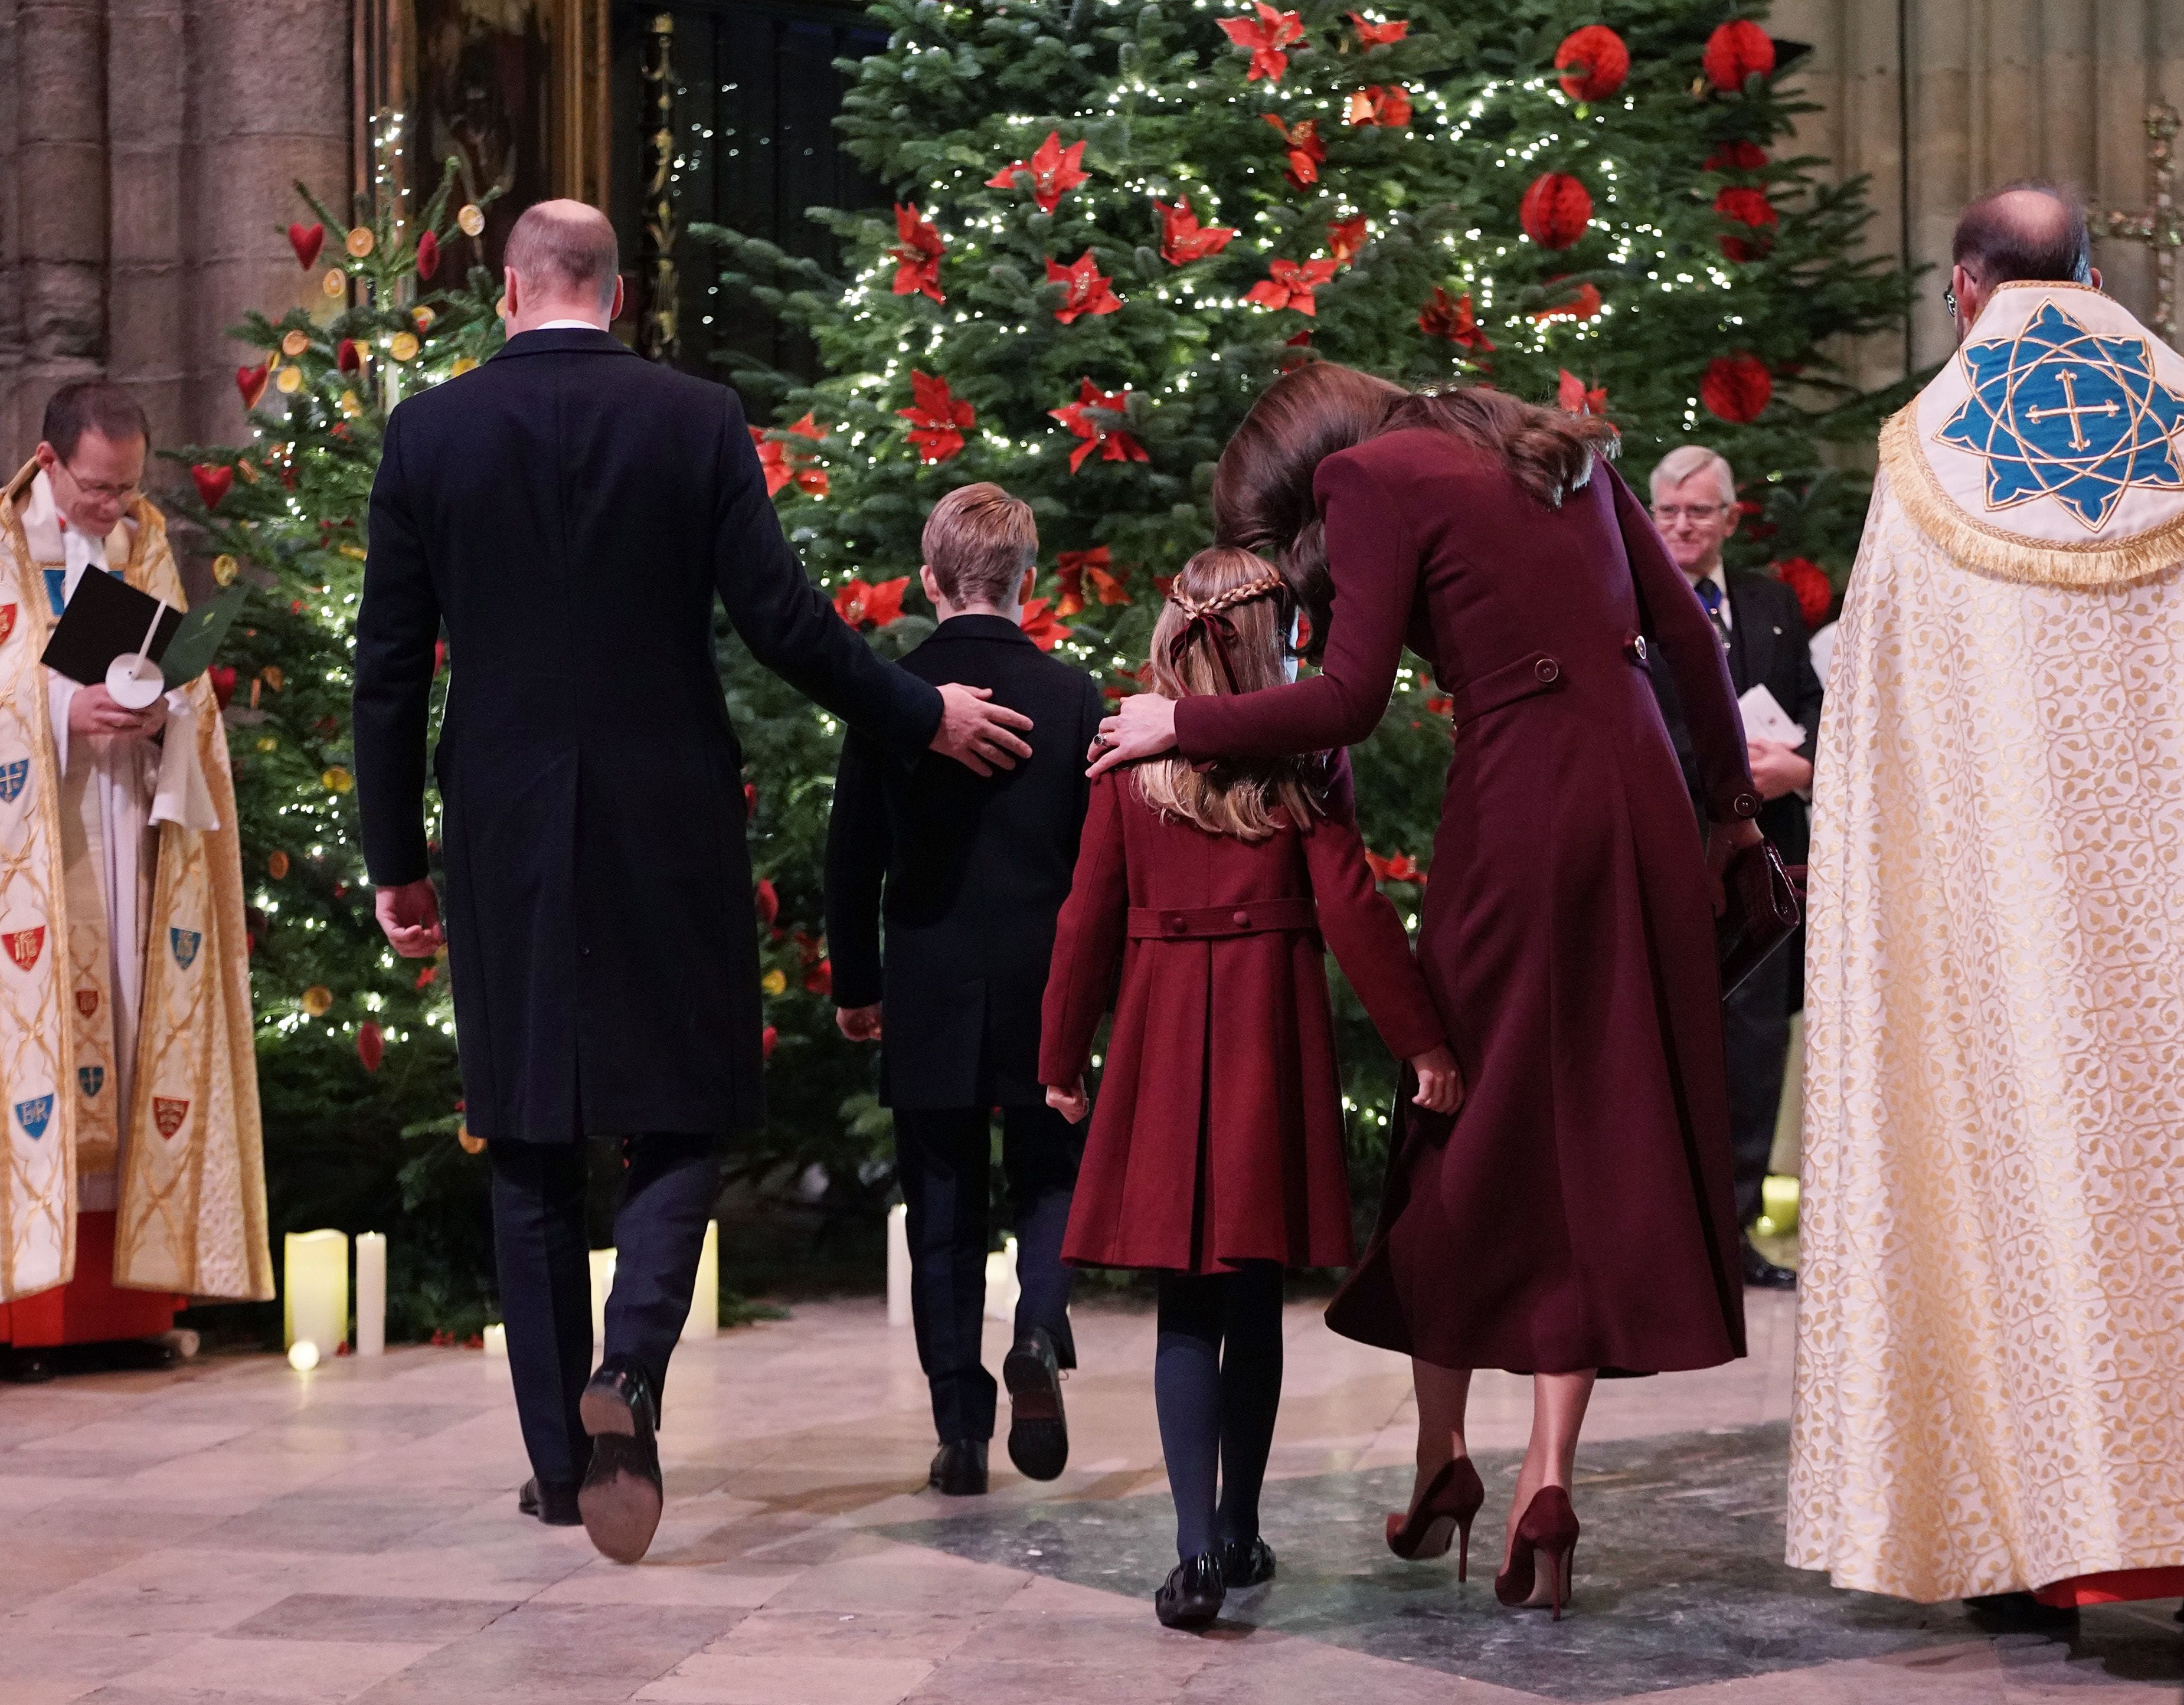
x=1991 y=1329
x=127 y=1074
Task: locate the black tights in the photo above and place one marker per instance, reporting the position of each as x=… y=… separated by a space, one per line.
x=1217 y=1383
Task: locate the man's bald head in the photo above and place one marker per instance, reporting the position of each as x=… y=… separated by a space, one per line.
x=564 y=254
x=2024 y=230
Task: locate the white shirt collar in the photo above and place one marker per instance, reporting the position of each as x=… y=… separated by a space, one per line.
x=570 y=325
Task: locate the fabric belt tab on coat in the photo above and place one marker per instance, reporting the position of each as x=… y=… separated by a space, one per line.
x=1253 y=917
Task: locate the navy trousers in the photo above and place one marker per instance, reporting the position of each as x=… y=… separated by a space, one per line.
x=943 y=1160
x=1755 y=1026
x=670 y=1184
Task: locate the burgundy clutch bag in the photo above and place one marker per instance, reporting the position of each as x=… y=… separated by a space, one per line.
x=1761 y=914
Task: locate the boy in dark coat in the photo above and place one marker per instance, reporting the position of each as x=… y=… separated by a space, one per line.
x=969 y=874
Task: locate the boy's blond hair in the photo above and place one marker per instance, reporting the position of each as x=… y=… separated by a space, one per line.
x=978 y=541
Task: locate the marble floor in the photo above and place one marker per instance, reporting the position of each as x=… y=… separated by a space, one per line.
x=236 y=1531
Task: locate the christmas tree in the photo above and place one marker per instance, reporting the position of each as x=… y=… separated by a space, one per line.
x=355 y=1048
x=1113 y=224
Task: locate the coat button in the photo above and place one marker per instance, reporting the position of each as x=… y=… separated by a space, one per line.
x=1547 y=669
x=1175 y=922
x=1242 y=920
x=1638 y=648
x=1746 y=806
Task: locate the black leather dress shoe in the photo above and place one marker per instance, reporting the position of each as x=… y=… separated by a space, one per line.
x=1246 y=1563
x=1038 y=1436
x=959 y=1469
x=1191 y=1596
x=29 y=1368
x=621 y=1498
x=1762 y=1274
x=2019 y=1612
x=553 y=1505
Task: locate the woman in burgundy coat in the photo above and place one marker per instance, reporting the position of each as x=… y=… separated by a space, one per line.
x=1216 y=1157
x=1577 y=1215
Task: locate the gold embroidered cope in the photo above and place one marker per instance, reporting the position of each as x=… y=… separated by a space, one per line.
x=192 y=1196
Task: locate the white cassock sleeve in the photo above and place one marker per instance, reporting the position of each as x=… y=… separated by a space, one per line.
x=179 y=795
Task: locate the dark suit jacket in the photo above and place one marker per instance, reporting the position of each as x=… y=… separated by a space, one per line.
x=969 y=873
x=1767 y=646
x=571 y=512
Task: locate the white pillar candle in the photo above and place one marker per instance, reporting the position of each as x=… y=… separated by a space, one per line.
x=370 y=1293
x=704 y=1320
x=603 y=1267
x=314 y=1290
x=1001 y=1287
x=496 y=1342
x=898 y=1265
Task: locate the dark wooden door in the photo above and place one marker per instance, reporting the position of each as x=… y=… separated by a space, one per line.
x=757 y=91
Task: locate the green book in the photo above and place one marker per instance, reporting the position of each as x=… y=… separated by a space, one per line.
x=189 y=654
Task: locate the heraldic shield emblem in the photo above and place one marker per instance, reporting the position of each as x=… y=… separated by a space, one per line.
x=56 y=588
x=24 y=945
x=92 y=1078
x=186 y=943
x=35 y=1114
x=86 y=1001
x=14 y=777
x=168 y=1114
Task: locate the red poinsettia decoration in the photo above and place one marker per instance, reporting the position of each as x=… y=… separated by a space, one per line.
x=937 y=417
x=1752 y=220
x=1451 y=318
x=1401 y=868
x=1575 y=399
x=1345 y=238
x=1305 y=150
x=1736 y=388
x=1735 y=51
x=863 y=605
x=1555 y=209
x=1110 y=440
x=1069 y=568
x=1264 y=37
x=1084 y=291
x=1371 y=34
x=1737 y=156
x=1816 y=593
x=917 y=254
x=1582 y=304
x=1291 y=286
x=1389 y=107
x=1183 y=239
x=1054 y=171
x=1594 y=63
x=1042 y=625
x=786 y=465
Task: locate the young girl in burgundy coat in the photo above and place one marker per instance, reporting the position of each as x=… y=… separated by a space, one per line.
x=1216 y=1158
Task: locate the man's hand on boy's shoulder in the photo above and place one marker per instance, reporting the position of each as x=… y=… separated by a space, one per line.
x=859 y=1023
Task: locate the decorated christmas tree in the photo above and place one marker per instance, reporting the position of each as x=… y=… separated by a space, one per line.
x=1114 y=223
x=354 y=1046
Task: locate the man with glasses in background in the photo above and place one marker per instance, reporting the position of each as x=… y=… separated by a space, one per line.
x=1762 y=635
x=128 y=1086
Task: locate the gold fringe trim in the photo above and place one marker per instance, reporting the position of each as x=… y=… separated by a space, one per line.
x=2009 y=556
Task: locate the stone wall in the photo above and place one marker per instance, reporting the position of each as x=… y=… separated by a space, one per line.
x=1940 y=100
x=147 y=148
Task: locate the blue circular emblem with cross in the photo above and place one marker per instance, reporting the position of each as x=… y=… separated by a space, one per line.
x=2059 y=411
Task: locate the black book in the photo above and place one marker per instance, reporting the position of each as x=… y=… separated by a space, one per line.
x=107 y=618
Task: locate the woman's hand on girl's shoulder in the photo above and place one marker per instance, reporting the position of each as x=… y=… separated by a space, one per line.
x=1440 y=1081
x=1142 y=726
x=1073 y=1103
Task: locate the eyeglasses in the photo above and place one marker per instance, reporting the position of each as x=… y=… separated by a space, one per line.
x=1949 y=299
x=92 y=488
x=1670 y=514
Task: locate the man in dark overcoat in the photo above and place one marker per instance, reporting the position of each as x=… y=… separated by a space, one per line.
x=970 y=873
x=1761 y=630
x=570 y=513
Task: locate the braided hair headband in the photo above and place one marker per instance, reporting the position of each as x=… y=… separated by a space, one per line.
x=1209 y=618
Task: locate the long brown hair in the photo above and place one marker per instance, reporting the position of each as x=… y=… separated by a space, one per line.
x=1221 y=631
x=1263 y=496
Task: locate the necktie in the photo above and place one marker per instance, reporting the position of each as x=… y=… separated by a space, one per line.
x=1710 y=596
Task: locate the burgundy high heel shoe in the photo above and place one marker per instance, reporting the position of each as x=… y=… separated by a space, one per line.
x=1452 y=1498
x=1546 y=1533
